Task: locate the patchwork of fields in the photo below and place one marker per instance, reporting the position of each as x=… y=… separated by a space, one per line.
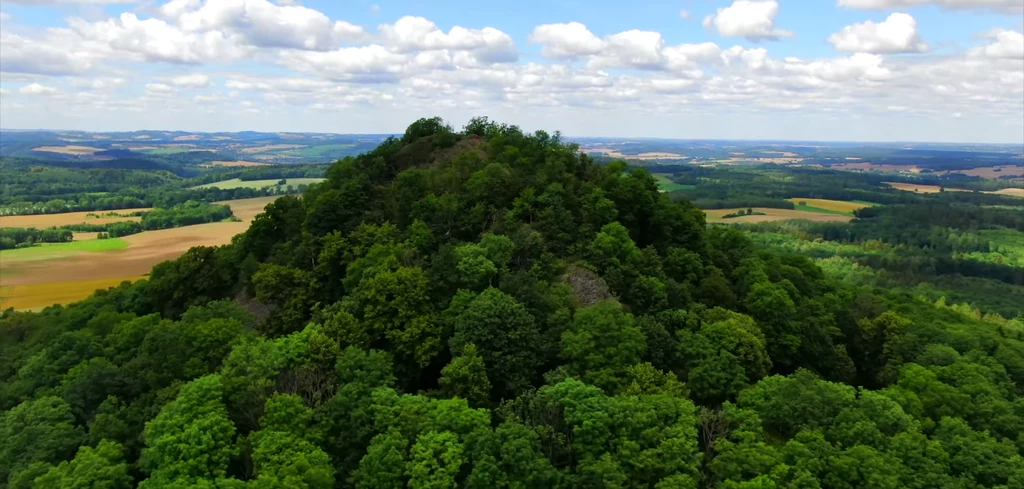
x=43 y=275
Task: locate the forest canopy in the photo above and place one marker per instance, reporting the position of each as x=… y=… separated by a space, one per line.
x=489 y=308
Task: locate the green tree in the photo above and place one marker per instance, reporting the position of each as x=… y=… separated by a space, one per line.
x=505 y=335
x=42 y=430
x=602 y=344
x=192 y=438
x=103 y=466
x=435 y=461
x=466 y=377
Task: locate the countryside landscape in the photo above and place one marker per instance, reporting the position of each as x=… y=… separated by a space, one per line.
x=715 y=244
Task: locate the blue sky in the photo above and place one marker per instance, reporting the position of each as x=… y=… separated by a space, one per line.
x=880 y=70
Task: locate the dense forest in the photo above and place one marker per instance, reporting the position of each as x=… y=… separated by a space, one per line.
x=488 y=308
x=31 y=188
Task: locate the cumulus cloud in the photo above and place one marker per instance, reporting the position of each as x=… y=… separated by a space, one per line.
x=195 y=80
x=1008 y=6
x=629 y=49
x=372 y=64
x=896 y=34
x=566 y=40
x=487 y=45
x=264 y=24
x=36 y=89
x=159 y=88
x=156 y=40
x=56 y=54
x=1006 y=44
x=752 y=19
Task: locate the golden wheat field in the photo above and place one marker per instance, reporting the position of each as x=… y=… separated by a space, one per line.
x=67 y=277
x=65 y=218
x=715 y=216
x=831 y=205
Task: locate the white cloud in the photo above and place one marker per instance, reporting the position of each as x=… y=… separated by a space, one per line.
x=159 y=88
x=195 y=80
x=100 y=83
x=4 y=16
x=56 y=53
x=633 y=49
x=374 y=9
x=684 y=14
x=36 y=89
x=566 y=40
x=373 y=63
x=487 y=45
x=177 y=8
x=264 y=24
x=752 y=19
x=1006 y=44
x=896 y=34
x=156 y=40
x=997 y=5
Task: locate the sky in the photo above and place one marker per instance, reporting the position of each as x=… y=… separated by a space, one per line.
x=833 y=70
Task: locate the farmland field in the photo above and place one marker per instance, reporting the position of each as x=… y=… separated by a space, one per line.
x=666 y=184
x=37 y=296
x=829 y=206
x=49 y=220
x=1016 y=192
x=69 y=150
x=40 y=276
x=715 y=215
x=922 y=189
x=258 y=184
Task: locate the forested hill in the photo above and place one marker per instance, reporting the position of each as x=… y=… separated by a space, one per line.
x=491 y=309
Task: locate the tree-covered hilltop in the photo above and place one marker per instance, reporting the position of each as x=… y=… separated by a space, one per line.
x=491 y=309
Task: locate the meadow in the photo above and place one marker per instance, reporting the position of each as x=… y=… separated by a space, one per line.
x=52 y=274
x=666 y=184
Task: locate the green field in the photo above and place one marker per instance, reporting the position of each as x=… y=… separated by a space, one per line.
x=259 y=184
x=665 y=183
x=820 y=210
x=52 y=250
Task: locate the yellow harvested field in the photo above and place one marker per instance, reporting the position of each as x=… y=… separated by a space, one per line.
x=922 y=189
x=69 y=150
x=1014 y=192
x=238 y=163
x=37 y=296
x=189 y=137
x=29 y=281
x=715 y=215
x=832 y=205
x=49 y=220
